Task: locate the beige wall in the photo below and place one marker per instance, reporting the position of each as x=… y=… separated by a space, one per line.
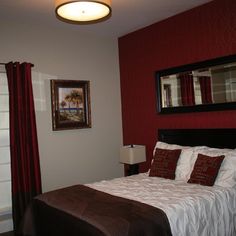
x=72 y=156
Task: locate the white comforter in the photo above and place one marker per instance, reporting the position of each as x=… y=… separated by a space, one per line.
x=192 y=210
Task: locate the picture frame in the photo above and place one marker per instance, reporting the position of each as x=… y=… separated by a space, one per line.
x=214 y=86
x=70 y=100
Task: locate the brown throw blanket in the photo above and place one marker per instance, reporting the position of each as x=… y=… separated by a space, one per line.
x=83 y=211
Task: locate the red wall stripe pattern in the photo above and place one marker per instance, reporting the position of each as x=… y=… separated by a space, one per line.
x=202 y=33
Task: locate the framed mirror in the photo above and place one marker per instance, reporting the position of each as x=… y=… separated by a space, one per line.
x=203 y=86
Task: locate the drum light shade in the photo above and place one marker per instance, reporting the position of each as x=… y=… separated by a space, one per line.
x=83 y=12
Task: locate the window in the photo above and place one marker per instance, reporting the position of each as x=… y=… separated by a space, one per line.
x=5 y=173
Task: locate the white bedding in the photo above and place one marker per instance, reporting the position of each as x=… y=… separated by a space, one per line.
x=192 y=210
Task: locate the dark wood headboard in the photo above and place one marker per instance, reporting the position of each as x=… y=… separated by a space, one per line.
x=219 y=138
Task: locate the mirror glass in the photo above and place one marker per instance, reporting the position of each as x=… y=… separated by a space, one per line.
x=209 y=85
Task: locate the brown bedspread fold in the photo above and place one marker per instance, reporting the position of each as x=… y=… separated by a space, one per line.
x=80 y=210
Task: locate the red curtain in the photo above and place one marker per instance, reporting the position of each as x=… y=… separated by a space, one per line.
x=25 y=169
x=187 y=89
x=205 y=86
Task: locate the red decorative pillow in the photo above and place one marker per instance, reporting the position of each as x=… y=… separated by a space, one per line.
x=164 y=163
x=205 y=170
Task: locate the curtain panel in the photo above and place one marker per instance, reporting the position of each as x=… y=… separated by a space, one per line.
x=25 y=168
x=187 y=89
x=206 y=91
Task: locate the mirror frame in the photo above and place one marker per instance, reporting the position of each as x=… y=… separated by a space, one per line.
x=191 y=67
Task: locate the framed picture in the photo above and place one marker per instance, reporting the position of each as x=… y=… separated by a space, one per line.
x=70 y=104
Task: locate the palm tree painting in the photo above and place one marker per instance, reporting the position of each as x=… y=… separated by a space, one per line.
x=70 y=104
x=73 y=106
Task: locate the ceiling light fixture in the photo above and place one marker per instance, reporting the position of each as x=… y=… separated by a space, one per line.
x=83 y=12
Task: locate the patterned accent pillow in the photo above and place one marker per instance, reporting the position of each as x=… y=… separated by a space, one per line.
x=164 y=163
x=205 y=169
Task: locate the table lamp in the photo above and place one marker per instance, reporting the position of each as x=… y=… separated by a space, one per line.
x=132 y=155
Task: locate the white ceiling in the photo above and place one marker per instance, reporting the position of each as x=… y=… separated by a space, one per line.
x=127 y=15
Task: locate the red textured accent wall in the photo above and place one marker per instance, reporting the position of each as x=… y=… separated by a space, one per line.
x=205 y=32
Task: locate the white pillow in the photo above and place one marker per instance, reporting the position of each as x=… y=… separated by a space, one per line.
x=184 y=164
x=227 y=173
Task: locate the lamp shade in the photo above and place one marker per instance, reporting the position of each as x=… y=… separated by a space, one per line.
x=83 y=11
x=132 y=154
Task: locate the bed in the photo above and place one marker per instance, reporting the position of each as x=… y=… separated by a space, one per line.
x=144 y=204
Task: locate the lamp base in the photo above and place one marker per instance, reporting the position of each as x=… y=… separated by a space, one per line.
x=133 y=169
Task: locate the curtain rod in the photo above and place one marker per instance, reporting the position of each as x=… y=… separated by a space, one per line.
x=2 y=63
